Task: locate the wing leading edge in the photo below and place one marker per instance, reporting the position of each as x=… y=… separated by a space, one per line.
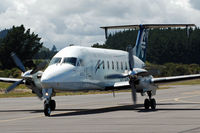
x=174 y=78
x=10 y=80
x=125 y=84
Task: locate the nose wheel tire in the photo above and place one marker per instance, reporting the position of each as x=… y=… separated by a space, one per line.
x=47 y=110
x=52 y=104
x=49 y=106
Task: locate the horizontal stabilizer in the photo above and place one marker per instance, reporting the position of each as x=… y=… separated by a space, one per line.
x=146 y=26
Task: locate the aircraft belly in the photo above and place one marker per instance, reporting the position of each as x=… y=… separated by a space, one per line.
x=76 y=86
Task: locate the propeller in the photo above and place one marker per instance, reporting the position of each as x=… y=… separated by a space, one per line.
x=18 y=62
x=26 y=74
x=132 y=74
x=10 y=88
x=130 y=58
x=133 y=92
x=41 y=66
x=20 y=65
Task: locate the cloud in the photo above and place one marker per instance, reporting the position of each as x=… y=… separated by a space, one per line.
x=195 y=4
x=62 y=23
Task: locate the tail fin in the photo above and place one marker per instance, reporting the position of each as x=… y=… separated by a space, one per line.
x=142 y=38
x=141 y=43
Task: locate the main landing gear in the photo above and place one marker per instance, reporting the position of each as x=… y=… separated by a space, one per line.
x=49 y=104
x=151 y=102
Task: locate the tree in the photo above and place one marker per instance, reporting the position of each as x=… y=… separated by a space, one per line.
x=164 y=45
x=20 y=41
x=97 y=45
x=45 y=53
x=54 y=49
x=3 y=33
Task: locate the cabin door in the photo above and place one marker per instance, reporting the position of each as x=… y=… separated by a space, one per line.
x=89 y=70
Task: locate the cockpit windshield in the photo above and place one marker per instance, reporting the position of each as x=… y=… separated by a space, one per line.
x=55 y=60
x=70 y=60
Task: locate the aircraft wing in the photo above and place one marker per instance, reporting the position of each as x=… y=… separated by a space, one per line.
x=174 y=78
x=9 y=80
x=121 y=84
x=126 y=85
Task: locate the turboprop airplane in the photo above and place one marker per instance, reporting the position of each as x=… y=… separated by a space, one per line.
x=77 y=68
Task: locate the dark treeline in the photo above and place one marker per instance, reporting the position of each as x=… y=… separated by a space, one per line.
x=21 y=41
x=26 y=44
x=164 y=45
x=45 y=53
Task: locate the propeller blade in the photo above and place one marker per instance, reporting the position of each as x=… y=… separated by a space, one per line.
x=41 y=66
x=10 y=88
x=38 y=92
x=130 y=58
x=18 y=62
x=134 y=95
x=116 y=76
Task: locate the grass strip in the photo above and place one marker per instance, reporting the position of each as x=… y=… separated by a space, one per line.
x=23 y=91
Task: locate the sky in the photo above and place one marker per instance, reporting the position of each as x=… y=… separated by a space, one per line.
x=65 y=22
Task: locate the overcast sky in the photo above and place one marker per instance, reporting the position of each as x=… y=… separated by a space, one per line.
x=61 y=22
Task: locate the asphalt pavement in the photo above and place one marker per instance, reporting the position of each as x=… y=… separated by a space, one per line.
x=178 y=110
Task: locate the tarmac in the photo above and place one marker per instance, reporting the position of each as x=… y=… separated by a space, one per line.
x=178 y=111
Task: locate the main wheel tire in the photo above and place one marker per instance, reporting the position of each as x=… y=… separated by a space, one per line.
x=146 y=103
x=153 y=103
x=47 y=110
x=52 y=105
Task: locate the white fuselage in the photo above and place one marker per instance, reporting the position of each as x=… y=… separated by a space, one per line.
x=84 y=68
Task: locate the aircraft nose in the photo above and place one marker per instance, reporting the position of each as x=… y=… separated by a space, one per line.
x=53 y=75
x=48 y=77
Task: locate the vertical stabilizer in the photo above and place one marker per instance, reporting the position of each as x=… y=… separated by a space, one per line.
x=141 y=43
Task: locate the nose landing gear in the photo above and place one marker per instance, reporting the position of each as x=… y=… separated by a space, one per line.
x=49 y=104
x=151 y=102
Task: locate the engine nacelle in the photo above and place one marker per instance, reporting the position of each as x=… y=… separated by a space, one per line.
x=139 y=72
x=144 y=84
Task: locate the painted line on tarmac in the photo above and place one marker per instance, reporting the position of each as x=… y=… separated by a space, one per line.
x=179 y=99
x=22 y=118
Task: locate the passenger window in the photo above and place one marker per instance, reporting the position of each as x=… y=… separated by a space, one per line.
x=103 y=65
x=117 y=65
x=108 y=65
x=113 y=65
x=126 y=67
x=122 y=66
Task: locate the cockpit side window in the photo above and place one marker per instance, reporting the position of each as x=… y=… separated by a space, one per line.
x=70 y=60
x=80 y=62
x=55 y=60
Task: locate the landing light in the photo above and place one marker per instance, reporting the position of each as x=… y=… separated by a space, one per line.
x=46 y=94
